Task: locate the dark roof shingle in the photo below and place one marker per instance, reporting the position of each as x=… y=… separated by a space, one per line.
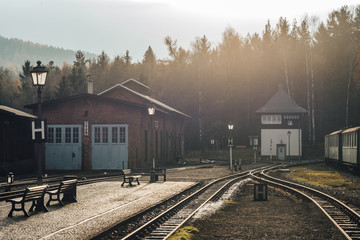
x=281 y=102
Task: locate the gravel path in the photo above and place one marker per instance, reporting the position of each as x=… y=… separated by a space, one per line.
x=281 y=217
x=100 y=205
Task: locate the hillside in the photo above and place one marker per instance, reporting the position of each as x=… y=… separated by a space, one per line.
x=14 y=52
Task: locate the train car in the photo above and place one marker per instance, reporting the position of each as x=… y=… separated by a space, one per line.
x=350 y=147
x=333 y=147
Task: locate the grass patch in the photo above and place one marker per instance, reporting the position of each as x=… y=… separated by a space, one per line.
x=323 y=176
x=184 y=233
x=231 y=202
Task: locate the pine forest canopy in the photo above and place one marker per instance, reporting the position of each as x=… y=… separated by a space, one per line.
x=317 y=63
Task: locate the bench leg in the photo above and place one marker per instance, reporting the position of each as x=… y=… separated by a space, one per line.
x=137 y=180
x=23 y=209
x=130 y=181
x=68 y=197
x=39 y=206
x=12 y=209
x=51 y=198
x=32 y=206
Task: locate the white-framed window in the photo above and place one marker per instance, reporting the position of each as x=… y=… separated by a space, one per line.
x=115 y=135
x=271 y=119
x=58 y=135
x=51 y=135
x=68 y=135
x=291 y=116
x=122 y=134
x=97 y=134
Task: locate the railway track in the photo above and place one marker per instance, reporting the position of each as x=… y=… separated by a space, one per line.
x=167 y=222
x=346 y=219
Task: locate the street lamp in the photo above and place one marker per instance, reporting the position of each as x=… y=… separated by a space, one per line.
x=289 y=134
x=151 y=111
x=230 y=141
x=38 y=75
x=254 y=141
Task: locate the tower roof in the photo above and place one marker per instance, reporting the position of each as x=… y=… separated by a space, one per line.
x=281 y=102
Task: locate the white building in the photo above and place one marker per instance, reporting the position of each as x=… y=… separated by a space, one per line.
x=281 y=134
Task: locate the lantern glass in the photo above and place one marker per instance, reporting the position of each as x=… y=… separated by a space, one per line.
x=10 y=178
x=38 y=75
x=256 y=141
x=39 y=78
x=151 y=111
x=230 y=126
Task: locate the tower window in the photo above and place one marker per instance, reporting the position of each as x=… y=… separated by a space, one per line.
x=271 y=119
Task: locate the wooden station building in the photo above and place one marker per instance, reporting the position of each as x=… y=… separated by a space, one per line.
x=111 y=130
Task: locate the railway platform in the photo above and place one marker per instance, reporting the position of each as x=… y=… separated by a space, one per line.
x=100 y=205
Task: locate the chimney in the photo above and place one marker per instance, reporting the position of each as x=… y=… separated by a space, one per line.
x=90 y=85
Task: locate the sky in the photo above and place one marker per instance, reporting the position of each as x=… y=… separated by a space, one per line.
x=115 y=26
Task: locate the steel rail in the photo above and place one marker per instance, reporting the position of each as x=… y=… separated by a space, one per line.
x=348 y=222
x=168 y=218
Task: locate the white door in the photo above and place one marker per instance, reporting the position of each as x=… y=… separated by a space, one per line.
x=109 y=146
x=281 y=151
x=63 y=147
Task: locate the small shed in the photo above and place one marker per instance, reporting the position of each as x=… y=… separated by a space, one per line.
x=16 y=146
x=280 y=126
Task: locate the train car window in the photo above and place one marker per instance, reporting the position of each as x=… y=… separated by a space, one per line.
x=355 y=139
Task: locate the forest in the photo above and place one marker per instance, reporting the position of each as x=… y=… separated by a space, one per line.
x=316 y=63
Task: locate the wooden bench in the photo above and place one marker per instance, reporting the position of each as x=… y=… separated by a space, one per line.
x=67 y=188
x=159 y=172
x=148 y=172
x=31 y=194
x=128 y=177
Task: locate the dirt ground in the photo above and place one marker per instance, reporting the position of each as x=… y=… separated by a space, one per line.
x=281 y=217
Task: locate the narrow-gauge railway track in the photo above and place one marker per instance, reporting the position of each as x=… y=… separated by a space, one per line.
x=167 y=222
x=343 y=217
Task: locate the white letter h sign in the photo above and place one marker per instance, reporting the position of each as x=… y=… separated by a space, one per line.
x=35 y=130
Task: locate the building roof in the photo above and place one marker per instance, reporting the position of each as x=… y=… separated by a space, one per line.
x=158 y=105
x=281 y=102
x=16 y=112
x=353 y=129
x=336 y=132
x=149 y=99
x=131 y=80
x=84 y=95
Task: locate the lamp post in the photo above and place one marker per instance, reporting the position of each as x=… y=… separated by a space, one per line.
x=151 y=111
x=289 y=134
x=38 y=75
x=230 y=141
x=254 y=140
